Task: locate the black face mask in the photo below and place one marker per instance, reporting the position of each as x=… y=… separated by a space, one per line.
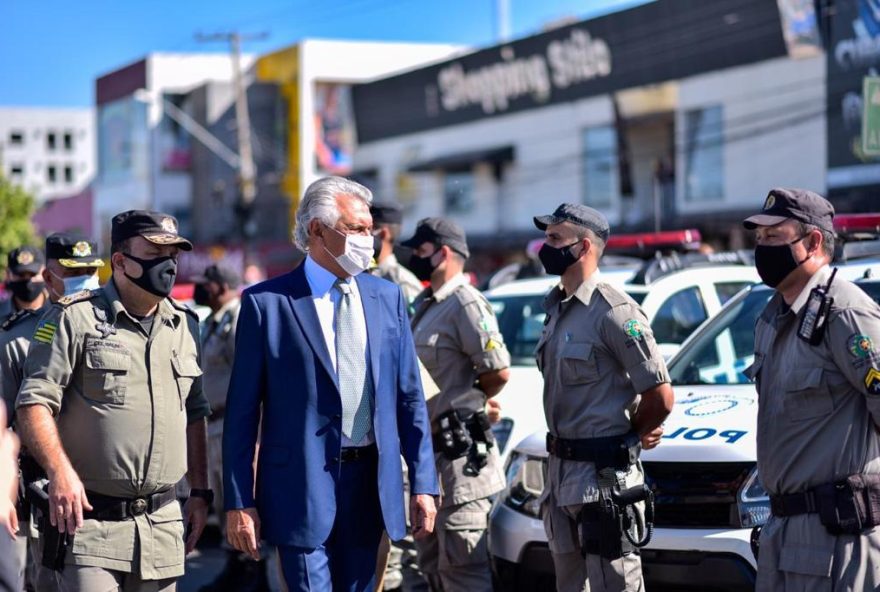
x=25 y=290
x=422 y=267
x=775 y=262
x=201 y=296
x=557 y=260
x=158 y=274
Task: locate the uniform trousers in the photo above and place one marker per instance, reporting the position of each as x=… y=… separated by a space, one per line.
x=82 y=578
x=346 y=562
x=457 y=553
x=798 y=554
x=574 y=571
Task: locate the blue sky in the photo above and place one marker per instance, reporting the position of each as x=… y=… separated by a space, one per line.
x=51 y=51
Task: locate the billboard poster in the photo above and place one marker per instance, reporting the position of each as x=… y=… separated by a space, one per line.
x=800 y=28
x=334 y=128
x=122 y=141
x=853 y=54
x=175 y=149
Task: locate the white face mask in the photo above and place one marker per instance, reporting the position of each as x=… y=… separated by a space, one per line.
x=358 y=252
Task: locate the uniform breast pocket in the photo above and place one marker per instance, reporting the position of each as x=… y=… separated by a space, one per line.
x=578 y=364
x=426 y=348
x=186 y=371
x=808 y=396
x=105 y=377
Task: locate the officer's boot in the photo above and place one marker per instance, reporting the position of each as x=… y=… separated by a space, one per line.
x=231 y=578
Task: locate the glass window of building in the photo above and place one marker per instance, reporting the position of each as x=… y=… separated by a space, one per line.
x=458 y=192
x=16 y=138
x=68 y=140
x=704 y=154
x=51 y=173
x=68 y=173
x=600 y=166
x=51 y=141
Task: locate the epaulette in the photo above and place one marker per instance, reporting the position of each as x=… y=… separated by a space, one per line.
x=612 y=295
x=184 y=308
x=467 y=294
x=14 y=318
x=77 y=297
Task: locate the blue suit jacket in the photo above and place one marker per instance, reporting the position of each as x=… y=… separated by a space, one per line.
x=282 y=363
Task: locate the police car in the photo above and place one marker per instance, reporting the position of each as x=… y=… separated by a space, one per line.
x=707 y=494
x=675 y=300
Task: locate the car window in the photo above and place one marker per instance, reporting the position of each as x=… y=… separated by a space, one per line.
x=727 y=290
x=678 y=316
x=521 y=321
x=639 y=297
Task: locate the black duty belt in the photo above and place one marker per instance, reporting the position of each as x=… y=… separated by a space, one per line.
x=610 y=451
x=794 y=504
x=356 y=453
x=108 y=507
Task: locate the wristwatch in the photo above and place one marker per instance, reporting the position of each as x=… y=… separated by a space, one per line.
x=205 y=494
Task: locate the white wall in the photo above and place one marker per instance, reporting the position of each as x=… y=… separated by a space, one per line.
x=34 y=155
x=774 y=129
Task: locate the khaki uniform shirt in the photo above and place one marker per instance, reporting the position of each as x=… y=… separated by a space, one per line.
x=457 y=339
x=15 y=340
x=818 y=406
x=597 y=353
x=391 y=270
x=122 y=400
x=218 y=352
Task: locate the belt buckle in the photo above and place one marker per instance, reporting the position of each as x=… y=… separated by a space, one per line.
x=138 y=506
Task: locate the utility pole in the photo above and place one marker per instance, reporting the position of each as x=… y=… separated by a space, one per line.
x=502 y=21
x=247 y=170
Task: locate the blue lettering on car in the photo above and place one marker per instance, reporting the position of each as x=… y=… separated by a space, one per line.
x=696 y=434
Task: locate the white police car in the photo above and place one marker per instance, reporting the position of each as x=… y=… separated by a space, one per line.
x=707 y=494
x=676 y=303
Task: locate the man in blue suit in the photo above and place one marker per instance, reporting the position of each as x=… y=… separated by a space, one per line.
x=324 y=358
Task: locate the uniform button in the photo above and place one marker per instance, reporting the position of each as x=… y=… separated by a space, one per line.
x=336 y=459
x=337 y=416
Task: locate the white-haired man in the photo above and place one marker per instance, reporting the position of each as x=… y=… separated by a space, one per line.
x=326 y=354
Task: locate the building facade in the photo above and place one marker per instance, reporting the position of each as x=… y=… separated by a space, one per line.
x=49 y=152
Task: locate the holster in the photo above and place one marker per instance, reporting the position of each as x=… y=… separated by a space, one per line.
x=850 y=506
x=54 y=543
x=453 y=440
x=465 y=433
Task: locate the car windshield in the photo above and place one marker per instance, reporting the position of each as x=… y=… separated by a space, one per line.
x=521 y=320
x=725 y=347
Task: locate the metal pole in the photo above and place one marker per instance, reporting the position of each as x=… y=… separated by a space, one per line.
x=247 y=171
x=502 y=24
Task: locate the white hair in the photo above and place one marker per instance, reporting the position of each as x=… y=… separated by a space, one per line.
x=319 y=203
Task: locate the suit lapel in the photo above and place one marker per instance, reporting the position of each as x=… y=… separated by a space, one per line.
x=373 y=318
x=300 y=299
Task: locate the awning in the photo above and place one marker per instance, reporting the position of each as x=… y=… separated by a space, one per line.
x=464 y=161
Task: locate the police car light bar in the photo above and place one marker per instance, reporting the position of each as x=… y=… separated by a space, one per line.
x=688 y=239
x=857 y=223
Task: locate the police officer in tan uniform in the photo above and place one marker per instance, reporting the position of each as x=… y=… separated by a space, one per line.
x=72 y=264
x=112 y=408
x=387 y=218
x=606 y=390
x=458 y=341
x=24 y=282
x=817 y=369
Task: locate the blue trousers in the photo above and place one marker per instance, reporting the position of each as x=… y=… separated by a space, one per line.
x=346 y=562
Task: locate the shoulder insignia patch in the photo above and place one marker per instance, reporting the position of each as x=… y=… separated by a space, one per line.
x=77 y=297
x=872 y=381
x=634 y=329
x=492 y=345
x=45 y=331
x=12 y=320
x=183 y=307
x=861 y=346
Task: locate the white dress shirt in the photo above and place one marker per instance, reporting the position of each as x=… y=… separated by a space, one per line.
x=325 y=299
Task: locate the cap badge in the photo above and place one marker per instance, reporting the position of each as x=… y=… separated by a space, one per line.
x=25 y=258
x=168 y=225
x=771 y=201
x=82 y=249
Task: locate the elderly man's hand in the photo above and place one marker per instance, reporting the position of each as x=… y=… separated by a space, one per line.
x=422 y=513
x=8 y=475
x=243 y=531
